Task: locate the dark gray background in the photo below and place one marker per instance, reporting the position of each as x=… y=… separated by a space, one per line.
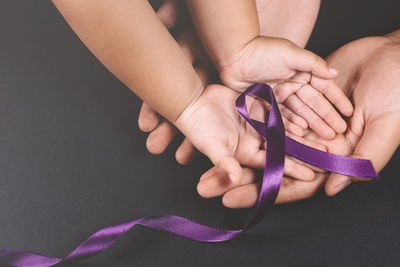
x=73 y=160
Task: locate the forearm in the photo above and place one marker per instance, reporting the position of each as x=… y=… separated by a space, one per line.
x=224 y=26
x=290 y=19
x=128 y=38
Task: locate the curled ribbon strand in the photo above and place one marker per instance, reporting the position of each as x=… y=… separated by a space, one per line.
x=278 y=145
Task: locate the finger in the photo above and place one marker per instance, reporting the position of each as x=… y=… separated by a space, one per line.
x=303 y=60
x=224 y=161
x=160 y=138
x=295 y=190
x=148 y=118
x=210 y=173
x=291 y=116
x=231 y=166
x=379 y=141
x=246 y=196
x=302 y=84
x=215 y=183
x=309 y=143
x=322 y=107
x=296 y=170
x=336 y=183
x=185 y=152
x=311 y=97
x=284 y=89
x=168 y=13
x=334 y=94
x=313 y=120
x=292 y=127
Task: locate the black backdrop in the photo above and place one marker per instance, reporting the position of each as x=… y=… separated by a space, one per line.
x=73 y=160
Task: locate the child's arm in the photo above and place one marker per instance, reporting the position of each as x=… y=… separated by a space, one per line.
x=225 y=26
x=288 y=19
x=129 y=39
x=131 y=42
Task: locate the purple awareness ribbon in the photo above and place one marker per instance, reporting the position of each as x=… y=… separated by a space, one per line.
x=278 y=145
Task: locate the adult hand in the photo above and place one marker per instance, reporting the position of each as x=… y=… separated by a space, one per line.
x=369 y=70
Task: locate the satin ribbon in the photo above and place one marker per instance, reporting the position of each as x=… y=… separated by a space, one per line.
x=278 y=144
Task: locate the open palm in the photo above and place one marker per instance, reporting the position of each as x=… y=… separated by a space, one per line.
x=370 y=69
x=216 y=129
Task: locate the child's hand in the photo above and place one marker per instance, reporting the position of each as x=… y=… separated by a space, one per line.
x=307 y=81
x=216 y=129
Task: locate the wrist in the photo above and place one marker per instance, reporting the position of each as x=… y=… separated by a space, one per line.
x=174 y=96
x=185 y=114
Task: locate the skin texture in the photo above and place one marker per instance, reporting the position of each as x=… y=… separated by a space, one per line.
x=216 y=129
x=231 y=143
x=370 y=70
x=307 y=92
x=224 y=26
x=230 y=32
x=114 y=32
x=288 y=19
x=276 y=19
x=144 y=58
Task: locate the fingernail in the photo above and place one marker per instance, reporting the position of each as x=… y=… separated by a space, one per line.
x=232 y=178
x=333 y=71
x=342 y=186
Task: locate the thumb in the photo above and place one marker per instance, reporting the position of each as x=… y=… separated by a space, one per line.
x=232 y=167
x=225 y=162
x=303 y=60
x=378 y=143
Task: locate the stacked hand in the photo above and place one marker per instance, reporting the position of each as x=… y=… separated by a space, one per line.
x=368 y=74
x=370 y=68
x=301 y=94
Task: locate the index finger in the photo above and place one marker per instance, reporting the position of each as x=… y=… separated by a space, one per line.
x=334 y=94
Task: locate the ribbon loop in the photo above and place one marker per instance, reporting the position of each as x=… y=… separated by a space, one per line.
x=278 y=144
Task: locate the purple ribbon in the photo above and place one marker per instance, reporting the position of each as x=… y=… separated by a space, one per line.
x=278 y=145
